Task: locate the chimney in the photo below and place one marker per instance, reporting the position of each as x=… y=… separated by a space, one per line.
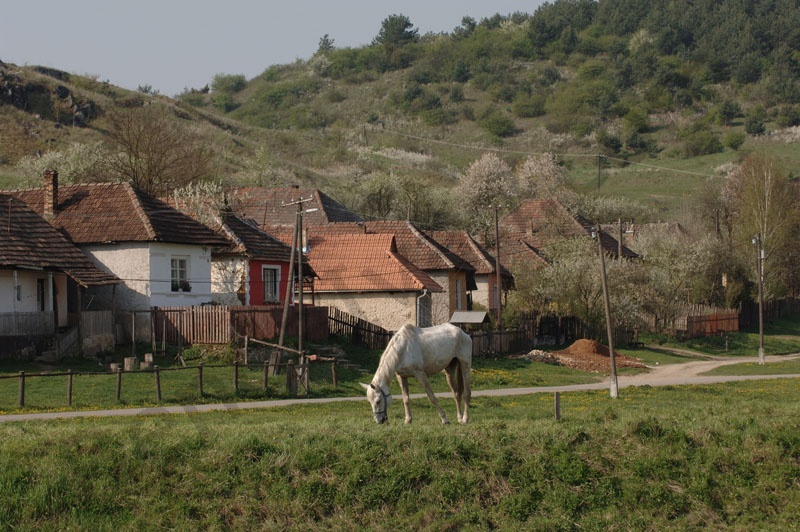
x=50 y=194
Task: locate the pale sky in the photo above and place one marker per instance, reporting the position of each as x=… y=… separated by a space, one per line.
x=176 y=44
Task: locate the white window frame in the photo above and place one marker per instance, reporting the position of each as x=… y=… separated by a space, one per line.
x=274 y=294
x=178 y=272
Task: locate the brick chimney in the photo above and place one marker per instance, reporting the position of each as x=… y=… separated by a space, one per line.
x=50 y=196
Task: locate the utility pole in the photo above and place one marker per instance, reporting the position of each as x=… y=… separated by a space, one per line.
x=614 y=385
x=289 y=287
x=760 y=275
x=499 y=282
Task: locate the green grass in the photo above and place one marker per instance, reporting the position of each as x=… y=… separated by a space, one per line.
x=179 y=386
x=722 y=457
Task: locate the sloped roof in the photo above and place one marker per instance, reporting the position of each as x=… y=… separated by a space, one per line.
x=27 y=241
x=412 y=243
x=537 y=223
x=274 y=206
x=463 y=245
x=364 y=263
x=97 y=213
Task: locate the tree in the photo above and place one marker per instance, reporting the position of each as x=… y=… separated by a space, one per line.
x=326 y=44
x=765 y=203
x=396 y=31
x=540 y=176
x=487 y=183
x=156 y=153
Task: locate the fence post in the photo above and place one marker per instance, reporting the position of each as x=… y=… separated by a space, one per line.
x=235 y=377
x=21 y=398
x=158 y=384
x=69 y=387
x=200 y=378
x=333 y=373
x=557 y=404
x=265 y=377
x=291 y=379
x=119 y=382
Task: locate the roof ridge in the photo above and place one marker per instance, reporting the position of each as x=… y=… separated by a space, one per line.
x=133 y=193
x=430 y=243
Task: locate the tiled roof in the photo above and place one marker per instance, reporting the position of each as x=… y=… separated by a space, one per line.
x=28 y=241
x=274 y=206
x=364 y=263
x=538 y=223
x=412 y=243
x=117 y=212
x=463 y=245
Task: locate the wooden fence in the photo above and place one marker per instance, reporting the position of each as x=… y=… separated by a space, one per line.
x=360 y=331
x=221 y=324
x=27 y=323
x=697 y=326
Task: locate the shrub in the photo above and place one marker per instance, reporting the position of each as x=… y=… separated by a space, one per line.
x=703 y=142
x=528 y=106
x=228 y=83
x=754 y=122
x=734 y=140
x=499 y=125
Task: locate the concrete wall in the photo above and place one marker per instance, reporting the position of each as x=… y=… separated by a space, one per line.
x=27 y=281
x=131 y=263
x=389 y=310
x=198 y=260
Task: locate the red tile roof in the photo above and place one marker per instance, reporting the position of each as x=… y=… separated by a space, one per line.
x=274 y=206
x=28 y=241
x=364 y=263
x=117 y=212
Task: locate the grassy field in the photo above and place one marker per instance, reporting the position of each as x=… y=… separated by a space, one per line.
x=725 y=457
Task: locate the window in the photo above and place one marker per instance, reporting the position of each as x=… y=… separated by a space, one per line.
x=272 y=278
x=178 y=274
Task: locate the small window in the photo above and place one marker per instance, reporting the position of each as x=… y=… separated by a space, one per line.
x=179 y=275
x=272 y=279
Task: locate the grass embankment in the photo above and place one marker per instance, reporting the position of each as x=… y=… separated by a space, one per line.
x=721 y=457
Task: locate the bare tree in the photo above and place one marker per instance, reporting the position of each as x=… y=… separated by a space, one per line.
x=157 y=153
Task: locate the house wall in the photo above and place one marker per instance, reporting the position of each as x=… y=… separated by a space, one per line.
x=257 y=281
x=130 y=262
x=390 y=310
x=484 y=295
x=440 y=301
x=198 y=273
x=226 y=279
x=28 y=299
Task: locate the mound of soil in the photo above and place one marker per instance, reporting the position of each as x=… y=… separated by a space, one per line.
x=588 y=355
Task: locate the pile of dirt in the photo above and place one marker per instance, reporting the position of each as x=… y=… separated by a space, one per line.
x=588 y=355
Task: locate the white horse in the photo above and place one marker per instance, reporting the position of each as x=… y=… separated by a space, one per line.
x=420 y=352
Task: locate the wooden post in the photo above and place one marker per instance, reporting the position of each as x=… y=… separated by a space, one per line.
x=265 y=376
x=291 y=379
x=333 y=374
x=246 y=339
x=133 y=333
x=235 y=377
x=21 y=398
x=557 y=405
x=200 y=378
x=119 y=383
x=158 y=383
x=69 y=387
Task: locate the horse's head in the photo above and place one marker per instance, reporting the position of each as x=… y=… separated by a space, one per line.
x=380 y=401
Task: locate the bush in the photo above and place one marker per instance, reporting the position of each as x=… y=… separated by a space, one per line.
x=702 y=142
x=228 y=83
x=499 y=125
x=734 y=140
x=526 y=106
x=754 y=122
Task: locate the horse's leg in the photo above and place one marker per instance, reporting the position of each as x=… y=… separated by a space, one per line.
x=423 y=379
x=406 y=400
x=451 y=372
x=466 y=390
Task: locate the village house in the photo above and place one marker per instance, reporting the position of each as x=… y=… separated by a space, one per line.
x=253 y=268
x=484 y=293
x=365 y=276
x=46 y=282
x=162 y=256
x=277 y=207
x=527 y=231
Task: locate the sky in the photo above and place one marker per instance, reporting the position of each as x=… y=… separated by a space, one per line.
x=172 y=45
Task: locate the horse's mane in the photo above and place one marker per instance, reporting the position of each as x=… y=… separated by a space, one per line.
x=389 y=358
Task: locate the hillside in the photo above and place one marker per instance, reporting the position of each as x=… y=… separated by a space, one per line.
x=668 y=93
